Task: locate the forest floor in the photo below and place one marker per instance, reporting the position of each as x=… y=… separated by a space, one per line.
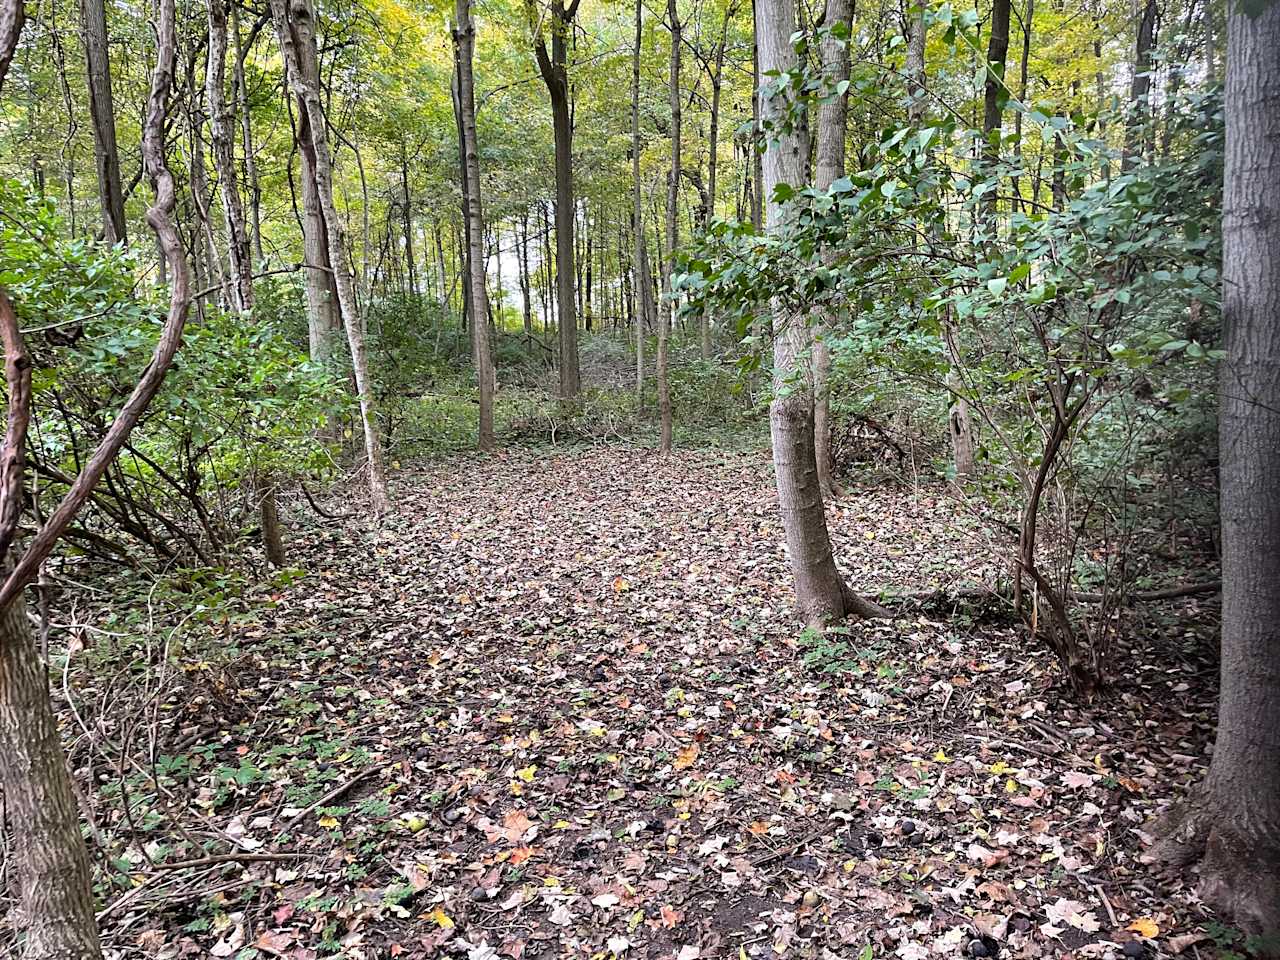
x=558 y=706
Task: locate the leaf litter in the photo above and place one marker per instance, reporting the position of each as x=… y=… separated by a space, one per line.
x=557 y=705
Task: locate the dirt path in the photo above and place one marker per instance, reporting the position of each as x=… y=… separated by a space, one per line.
x=558 y=708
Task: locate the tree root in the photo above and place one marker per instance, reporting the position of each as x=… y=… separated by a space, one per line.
x=862 y=608
x=1239 y=866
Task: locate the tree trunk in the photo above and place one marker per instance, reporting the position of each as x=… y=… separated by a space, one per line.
x=1232 y=826
x=223 y=140
x=246 y=134
x=102 y=112
x=295 y=24
x=1140 y=88
x=666 y=319
x=54 y=876
x=640 y=261
x=994 y=93
x=821 y=594
x=323 y=318
x=833 y=113
x=464 y=37
x=555 y=74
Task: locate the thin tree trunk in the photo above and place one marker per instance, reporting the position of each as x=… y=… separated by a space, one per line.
x=1232 y=825
x=410 y=266
x=1140 y=88
x=246 y=134
x=295 y=24
x=555 y=74
x=324 y=321
x=833 y=113
x=102 y=112
x=223 y=142
x=667 y=319
x=464 y=37
x=640 y=261
x=821 y=594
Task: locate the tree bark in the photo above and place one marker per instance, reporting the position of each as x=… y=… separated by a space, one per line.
x=640 y=261
x=223 y=141
x=464 y=37
x=102 y=113
x=554 y=70
x=324 y=321
x=994 y=94
x=1232 y=826
x=246 y=133
x=666 y=319
x=1140 y=88
x=295 y=25
x=833 y=113
x=821 y=594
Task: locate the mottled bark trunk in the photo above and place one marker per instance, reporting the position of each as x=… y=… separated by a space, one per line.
x=246 y=134
x=994 y=93
x=102 y=113
x=821 y=594
x=1233 y=825
x=1140 y=88
x=295 y=25
x=464 y=37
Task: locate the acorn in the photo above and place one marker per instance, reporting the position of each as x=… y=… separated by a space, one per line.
x=976 y=948
x=1134 y=949
x=908 y=827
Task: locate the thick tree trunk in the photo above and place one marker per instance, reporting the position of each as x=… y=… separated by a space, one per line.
x=821 y=594
x=54 y=877
x=464 y=37
x=666 y=320
x=295 y=25
x=555 y=74
x=102 y=112
x=833 y=114
x=1233 y=826
x=640 y=261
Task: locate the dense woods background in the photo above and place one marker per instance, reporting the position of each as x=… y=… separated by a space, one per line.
x=260 y=263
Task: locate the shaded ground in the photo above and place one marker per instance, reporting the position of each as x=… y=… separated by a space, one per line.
x=557 y=707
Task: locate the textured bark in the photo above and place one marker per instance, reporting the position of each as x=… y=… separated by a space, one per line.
x=324 y=321
x=13 y=16
x=821 y=595
x=54 y=878
x=640 y=261
x=554 y=69
x=464 y=37
x=295 y=26
x=102 y=113
x=223 y=140
x=667 y=319
x=833 y=114
x=1233 y=825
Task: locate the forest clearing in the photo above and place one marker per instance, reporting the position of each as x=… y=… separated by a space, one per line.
x=610 y=479
x=544 y=725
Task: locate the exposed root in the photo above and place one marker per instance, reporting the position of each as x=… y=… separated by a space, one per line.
x=861 y=607
x=1239 y=869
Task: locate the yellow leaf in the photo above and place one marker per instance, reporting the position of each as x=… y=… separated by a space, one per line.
x=1010 y=786
x=328 y=822
x=442 y=919
x=999 y=767
x=1145 y=927
x=685 y=756
x=941 y=757
x=527 y=773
